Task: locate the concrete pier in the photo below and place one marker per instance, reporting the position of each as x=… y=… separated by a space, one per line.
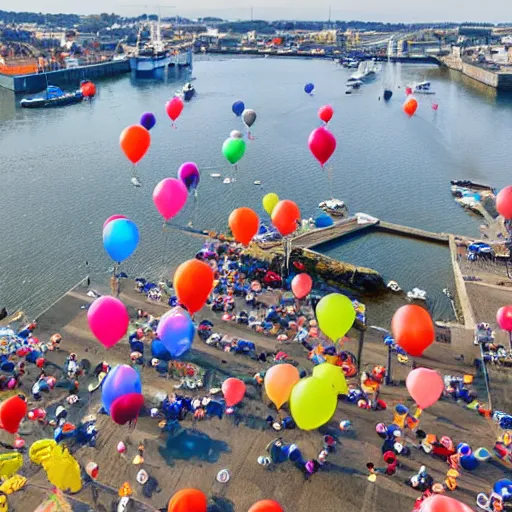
x=420 y=234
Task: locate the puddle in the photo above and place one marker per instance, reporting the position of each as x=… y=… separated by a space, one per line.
x=188 y=444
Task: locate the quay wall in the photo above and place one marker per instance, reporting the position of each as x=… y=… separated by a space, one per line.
x=406 y=231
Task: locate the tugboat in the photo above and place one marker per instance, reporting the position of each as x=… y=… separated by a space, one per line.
x=53 y=97
x=152 y=56
x=188 y=91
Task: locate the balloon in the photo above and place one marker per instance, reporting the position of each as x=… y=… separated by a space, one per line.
x=233 y=150
x=12 y=411
x=120 y=239
x=233 y=391
x=301 y=285
x=170 y=196
x=441 y=503
x=88 y=89
x=279 y=382
x=176 y=331
x=135 y=141
x=322 y=144
x=113 y=217
x=504 y=318
x=235 y=134
x=108 y=320
x=333 y=375
x=266 y=506
x=159 y=351
x=413 y=329
x=309 y=88
x=469 y=462
x=121 y=380
x=410 y=106
x=503 y=487
x=249 y=117
x=193 y=282
x=188 y=500
x=286 y=217
x=425 y=386
x=504 y=202
x=312 y=403
x=408 y=91
x=148 y=120
x=238 y=108
x=335 y=314
x=269 y=202
x=325 y=113
x=126 y=408
x=174 y=108
x=244 y=224
x=188 y=173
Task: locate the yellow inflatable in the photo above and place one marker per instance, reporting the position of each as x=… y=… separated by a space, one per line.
x=13 y=484
x=41 y=450
x=63 y=471
x=4 y=506
x=10 y=463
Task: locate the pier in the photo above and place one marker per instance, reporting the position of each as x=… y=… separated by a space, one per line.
x=420 y=234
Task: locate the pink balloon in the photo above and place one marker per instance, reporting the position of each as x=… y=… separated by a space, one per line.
x=108 y=320
x=301 y=285
x=504 y=202
x=425 y=386
x=504 y=318
x=170 y=196
x=322 y=144
x=113 y=217
x=440 y=503
x=174 y=108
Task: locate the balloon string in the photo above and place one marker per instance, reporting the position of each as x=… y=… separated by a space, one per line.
x=329 y=177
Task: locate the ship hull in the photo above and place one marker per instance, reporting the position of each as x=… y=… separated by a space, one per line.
x=144 y=66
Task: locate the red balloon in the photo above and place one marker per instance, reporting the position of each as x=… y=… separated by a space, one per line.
x=408 y=91
x=113 y=217
x=266 y=506
x=504 y=318
x=244 y=223
x=193 y=282
x=410 y=106
x=126 y=408
x=301 y=285
x=504 y=202
x=286 y=216
x=425 y=386
x=440 y=503
x=174 y=108
x=188 y=500
x=12 y=411
x=233 y=391
x=135 y=141
x=88 y=89
x=322 y=144
x=413 y=329
x=325 y=113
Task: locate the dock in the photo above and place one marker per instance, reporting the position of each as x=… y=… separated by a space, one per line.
x=420 y=234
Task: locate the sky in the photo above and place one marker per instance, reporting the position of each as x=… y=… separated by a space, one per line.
x=366 y=10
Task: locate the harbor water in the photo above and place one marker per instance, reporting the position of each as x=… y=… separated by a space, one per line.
x=63 y=173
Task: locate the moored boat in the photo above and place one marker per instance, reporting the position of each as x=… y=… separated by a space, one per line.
x=52 y=97
x=334 y=207
x=152 y=56
x=188 y=91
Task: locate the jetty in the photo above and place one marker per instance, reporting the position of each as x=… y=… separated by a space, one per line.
x=406 y=231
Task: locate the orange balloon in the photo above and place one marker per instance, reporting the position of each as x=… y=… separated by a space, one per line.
x=193 y=282
x=410 y=106
x=286 y=216
x=413 y=329
x=279 y=382
x=135 y=141
x=266 y=506
x=188 y=500
x=244 y=223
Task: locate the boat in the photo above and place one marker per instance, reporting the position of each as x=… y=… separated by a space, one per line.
x=215 y=175
x=353 y=84
x=257 y=182
x=423 y=88
x=188 y=91
x=472 y=185
x=334 y=207
x=387 y=94
x=394 y=286
x=227 y=181
x=417 y=294
x=53 y=97
x=135 y=182
x=152 y=56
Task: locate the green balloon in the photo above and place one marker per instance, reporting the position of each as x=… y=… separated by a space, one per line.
x=233 y=150
x=335 y=314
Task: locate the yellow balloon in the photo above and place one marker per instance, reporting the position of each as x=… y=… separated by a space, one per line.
x=269 y=202
x=10 y=463
x=312 y=403
x=333 y=375
x=41 y=450
x=335 y=314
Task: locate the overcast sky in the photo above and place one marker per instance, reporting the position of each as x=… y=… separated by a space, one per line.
x=368 y=10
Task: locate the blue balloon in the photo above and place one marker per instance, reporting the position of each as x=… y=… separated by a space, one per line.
x=148 y=120
x=176 y=332
x=120 y=381
x=159 y=351
x=469 y=462
x=503 y=487
x=309 y=88
x=238 y=108
x=120 y=239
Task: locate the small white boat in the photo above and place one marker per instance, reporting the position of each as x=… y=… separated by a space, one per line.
x=417 y=294
x=227 y=181
x=334 y=207
x=423 y=88
x=215 y=175
x=394 y=286
x=135 y=182
x=257 y=182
